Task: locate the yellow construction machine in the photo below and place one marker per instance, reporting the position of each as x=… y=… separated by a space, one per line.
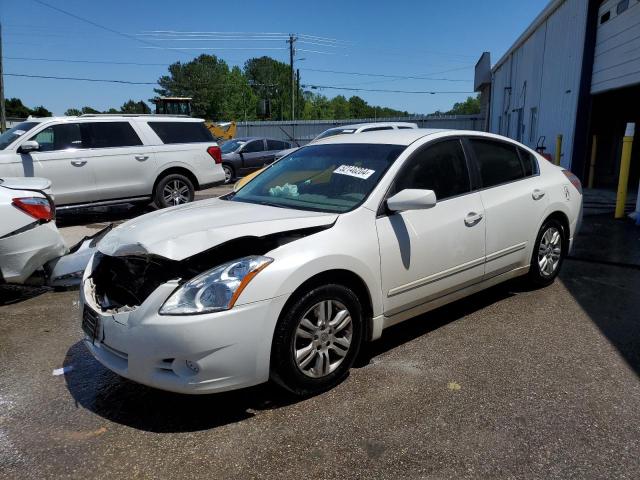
x=221 y=131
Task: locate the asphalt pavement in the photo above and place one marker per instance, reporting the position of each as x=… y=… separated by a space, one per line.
x=509 y=383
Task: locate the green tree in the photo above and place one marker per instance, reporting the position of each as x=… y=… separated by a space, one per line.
x=239 y=100
x=470 y=106
x=341 y=107
x=204 y=79
x=132 y=106
x=15 y=108
x=89 y=110
x=40 y=112
x=359 y=108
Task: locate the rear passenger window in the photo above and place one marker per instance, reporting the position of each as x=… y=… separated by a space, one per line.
x=109 y=135
x=498 y=162
x=277 y=145
x=440 y=167
x=181 y=132
x=529 y=162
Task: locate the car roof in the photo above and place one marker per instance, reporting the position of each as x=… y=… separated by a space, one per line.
x=374 y=125
x=246 y=139
x=405 y=136
x=112 y=117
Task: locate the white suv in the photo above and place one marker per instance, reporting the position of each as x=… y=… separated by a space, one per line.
x=108 y=159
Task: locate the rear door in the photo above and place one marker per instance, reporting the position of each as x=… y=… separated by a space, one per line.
x=513 y=200
x=64 y=159
x=253 y=155
x=426 y=254
x=122 y=165
x=273 y=147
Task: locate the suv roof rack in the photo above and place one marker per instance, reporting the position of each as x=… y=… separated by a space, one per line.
x=132 y=115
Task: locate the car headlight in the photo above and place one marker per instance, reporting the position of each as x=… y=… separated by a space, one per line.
x=216 y=289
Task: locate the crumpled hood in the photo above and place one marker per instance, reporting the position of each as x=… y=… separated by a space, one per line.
x=180 y=232
x=26 y=183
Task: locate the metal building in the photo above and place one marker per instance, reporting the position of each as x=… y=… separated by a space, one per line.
x=575 y=72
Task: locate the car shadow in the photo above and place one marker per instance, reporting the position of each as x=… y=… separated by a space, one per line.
x=119 y=400
x=10 y=294
x=421 y=325
x=92 y=215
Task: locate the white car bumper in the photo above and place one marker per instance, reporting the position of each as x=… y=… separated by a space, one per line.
x=189 y=353
x=23 y=253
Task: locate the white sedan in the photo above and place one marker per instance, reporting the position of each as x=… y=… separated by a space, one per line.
x=286 y=278
x=28 y=235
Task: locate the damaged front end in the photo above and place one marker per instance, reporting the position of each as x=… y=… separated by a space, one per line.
x=123 y=282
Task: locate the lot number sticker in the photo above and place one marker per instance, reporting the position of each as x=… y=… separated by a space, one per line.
x=353 y=171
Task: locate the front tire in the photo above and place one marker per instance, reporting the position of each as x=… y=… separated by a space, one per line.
x=548 y=253
x=317 y=340
x=172 y=190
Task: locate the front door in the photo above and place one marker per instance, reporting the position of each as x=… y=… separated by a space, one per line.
x=426 y=254
x=253 y=156
x=63 y=160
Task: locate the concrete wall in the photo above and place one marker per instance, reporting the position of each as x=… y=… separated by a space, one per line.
x=617 y=54
x=541 y=74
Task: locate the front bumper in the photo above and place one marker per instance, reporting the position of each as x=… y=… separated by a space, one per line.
x=186 y=354
x=23 y=253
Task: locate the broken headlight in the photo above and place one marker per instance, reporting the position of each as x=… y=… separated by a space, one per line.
x=216 y=289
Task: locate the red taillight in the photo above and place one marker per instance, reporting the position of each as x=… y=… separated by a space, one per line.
x=38 y=208
x=215 y=153
x=575 y=181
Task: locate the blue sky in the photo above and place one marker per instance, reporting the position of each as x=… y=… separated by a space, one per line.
x=436 y=38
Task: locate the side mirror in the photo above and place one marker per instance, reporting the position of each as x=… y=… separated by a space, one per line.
x=412 y=199
x=29 y=146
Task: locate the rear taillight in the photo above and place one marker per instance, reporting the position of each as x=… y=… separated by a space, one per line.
x=215 y=153
x=575 y=181
x=38 y=208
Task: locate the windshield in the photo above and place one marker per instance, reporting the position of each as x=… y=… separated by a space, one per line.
x=8 y=137
x=327 y=178
x=334 y=131
x=231 y=145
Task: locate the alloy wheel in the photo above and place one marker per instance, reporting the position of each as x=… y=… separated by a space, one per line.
x=227 y=174
x=549 y=251
x=323 y=338
x=176 y=192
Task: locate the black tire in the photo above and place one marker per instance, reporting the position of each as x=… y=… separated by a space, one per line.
x=178 y=183
x=538 y=276
x=229 y=173
x=284 y=368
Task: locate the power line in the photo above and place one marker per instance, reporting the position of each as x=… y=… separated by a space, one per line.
x=101 y=62
x=361 y=74
x=53 y=77
x=332 y=87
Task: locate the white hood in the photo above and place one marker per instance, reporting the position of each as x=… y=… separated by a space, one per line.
x=180 y=232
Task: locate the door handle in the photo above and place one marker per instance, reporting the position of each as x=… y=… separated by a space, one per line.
x=472 y=219
x=537 y=194
x=78 y=163
x=142 y=158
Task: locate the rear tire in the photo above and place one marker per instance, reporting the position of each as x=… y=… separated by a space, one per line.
x=317 y=340
x=174 y=189
x=229 y=173
x=548 y=253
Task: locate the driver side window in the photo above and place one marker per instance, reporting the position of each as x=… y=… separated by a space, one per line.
x=440 y=167
x=59 y=137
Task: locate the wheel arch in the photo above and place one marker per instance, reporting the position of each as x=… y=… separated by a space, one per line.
x=176 y=170
x=561 y=217
x=346 y=278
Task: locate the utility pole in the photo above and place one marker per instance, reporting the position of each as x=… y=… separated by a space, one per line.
x=298 y=86
x=292 y=52
x=3 y=112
